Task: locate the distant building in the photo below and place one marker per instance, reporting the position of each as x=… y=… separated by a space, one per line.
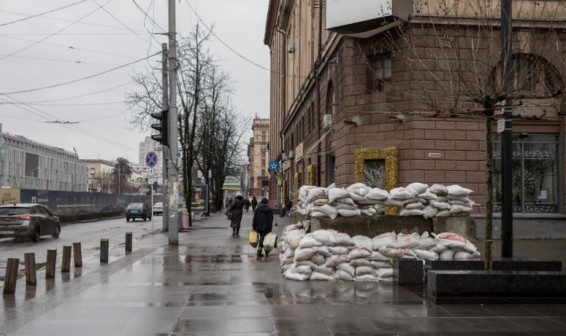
x=99 y=175
x=258 y=155
x=27 y=164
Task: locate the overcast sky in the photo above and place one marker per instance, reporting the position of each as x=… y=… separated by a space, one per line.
x=49 y=49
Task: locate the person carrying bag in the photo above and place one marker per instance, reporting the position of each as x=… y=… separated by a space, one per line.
x=234 y=214
x=263 y=224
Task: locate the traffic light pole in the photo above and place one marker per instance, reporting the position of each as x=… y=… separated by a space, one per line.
x=164 y=150
x=173 y=191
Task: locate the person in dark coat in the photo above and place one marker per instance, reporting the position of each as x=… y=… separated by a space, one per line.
x=247 y=204
x=236 y=207
x=263 y=224
x=286 y=207
x=254 y=203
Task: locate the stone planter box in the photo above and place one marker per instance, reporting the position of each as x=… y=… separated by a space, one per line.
x=464 y=287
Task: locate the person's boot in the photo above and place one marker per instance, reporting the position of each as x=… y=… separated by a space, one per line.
x=259 y=254
x=233 y=232
x=237 y=232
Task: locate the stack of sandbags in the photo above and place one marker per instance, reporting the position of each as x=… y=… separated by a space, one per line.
x=332 y=255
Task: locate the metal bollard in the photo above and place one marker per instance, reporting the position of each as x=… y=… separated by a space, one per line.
x=51 y=264
x=104 y=250
x=66 y=263
x=128 y=242
x=29 y=260
x=77 y=254
x=11 y=276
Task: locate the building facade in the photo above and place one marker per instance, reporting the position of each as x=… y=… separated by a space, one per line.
x=27 y=164
x=412 y=92
x=258 y=156
x=99 y=175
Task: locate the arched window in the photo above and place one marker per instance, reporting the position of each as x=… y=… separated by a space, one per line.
x=331 y=100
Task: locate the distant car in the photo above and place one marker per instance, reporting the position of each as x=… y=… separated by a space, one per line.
x=137 y=210
x=158 y=208
x=28 y=220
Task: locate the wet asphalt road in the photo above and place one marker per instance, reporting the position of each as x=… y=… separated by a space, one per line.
x=212 y=284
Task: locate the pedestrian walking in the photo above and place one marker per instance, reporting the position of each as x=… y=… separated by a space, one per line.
x=286 y=207
x=254 y=203
x=263 y=224
x=236 y=208
x=247 y=204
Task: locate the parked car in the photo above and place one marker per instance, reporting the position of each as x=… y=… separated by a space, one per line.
x=28 y=220
x=137 y=210
x=158 y=208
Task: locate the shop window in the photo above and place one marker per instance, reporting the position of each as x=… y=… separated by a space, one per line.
x=535 y=173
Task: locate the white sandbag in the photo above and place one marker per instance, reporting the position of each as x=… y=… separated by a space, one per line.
x=318 y=214
x=425 y=243
x=385 y=272
x=324 y=269
x=318 y=259
x=388 y=239
x=363 y=242
x=393 y=252
x=367 y=202
x=324 y=251
x=426 y=255
x=359 y=189
x=304 y=253
x=447 y=255
x=405 y=212
x=293 y=238
x=443 y=213
x=316 y=193
x=376 y=256
x=360 y=262
x=358 y=199
x=307 y=263
x=438 y=189
x=343 y=275
x=296 y=276
x=377 y=194
x=458 y=191
x=336 y=194
x=320 y=276
x=366 y=277
x=429 y=212
x=338 y=250
x=320 y=202
x=336 y=260
x=344 y=239
x=349 y=213
x=463 y=255
x=415 y=200
x=309 y=241
x=361 y=270
x=407 y=240
x=427 y=195
x=302 y=269
x=368 y=212
x=342 y=206
x=379 y=209
x=347 y=268
x=416 y=188
x=380 y=264
x=358 y=253
x=400 y=193
x=441 y=205
x=414 y=206
x=325 y=237
x=393 y=202
x=455 y=241
x=459 y=209
x=438 y=248
x=346 y=201
x=329 y=210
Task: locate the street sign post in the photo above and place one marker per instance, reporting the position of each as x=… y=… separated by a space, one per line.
x=151 y=159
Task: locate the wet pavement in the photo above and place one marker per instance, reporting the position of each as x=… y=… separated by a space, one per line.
x=213 y=284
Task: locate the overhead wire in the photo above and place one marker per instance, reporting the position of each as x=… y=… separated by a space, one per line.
x=79 y=79
x=42 y=14
x=55 y=33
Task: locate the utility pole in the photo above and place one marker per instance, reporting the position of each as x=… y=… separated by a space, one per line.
x=164 y=149
x=507 y=134
x=172 y=119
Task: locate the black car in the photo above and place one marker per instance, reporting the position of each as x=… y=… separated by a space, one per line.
x=28 y=220
x=138 y=210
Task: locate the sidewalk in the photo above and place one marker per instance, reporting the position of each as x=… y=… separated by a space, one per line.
x=212 y=284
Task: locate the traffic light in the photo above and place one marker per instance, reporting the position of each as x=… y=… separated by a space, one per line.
x=162 y=127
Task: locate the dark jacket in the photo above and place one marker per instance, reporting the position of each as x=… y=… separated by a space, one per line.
x=263 y=218
x=236 y=208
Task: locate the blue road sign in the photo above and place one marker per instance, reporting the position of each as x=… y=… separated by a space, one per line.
x=151 y=159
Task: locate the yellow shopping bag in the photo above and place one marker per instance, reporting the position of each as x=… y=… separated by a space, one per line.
x=252 y=239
